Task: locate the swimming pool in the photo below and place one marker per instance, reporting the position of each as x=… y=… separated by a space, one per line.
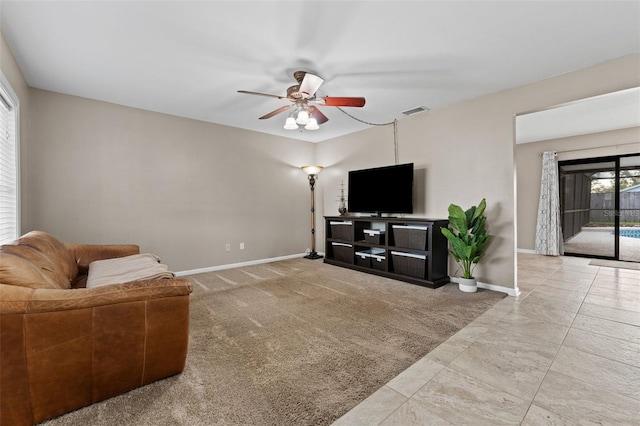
x=633 y=233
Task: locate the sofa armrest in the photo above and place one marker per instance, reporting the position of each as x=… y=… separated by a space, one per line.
x=87 y=344
x=84 y=254
x=15 y=299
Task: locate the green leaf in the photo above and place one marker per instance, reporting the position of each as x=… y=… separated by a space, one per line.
x=458 y=219
x=455 y=256
x=478 y=225
x=481 y=208
x=448 y=234
x=469 y=215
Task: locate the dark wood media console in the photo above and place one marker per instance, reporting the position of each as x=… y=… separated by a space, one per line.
x=407 y=249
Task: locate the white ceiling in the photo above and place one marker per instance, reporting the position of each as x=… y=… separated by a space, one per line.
x=611 y=111
x=190 y=58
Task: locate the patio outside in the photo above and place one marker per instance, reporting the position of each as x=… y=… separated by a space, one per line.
x=599 y=241
x=597 y=236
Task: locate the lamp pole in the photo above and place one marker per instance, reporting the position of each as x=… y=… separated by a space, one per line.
x=312 y=172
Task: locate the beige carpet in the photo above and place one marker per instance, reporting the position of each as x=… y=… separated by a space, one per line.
x=296 y=342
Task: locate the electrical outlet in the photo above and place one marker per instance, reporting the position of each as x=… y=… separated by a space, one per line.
x=241 y=246
x=227 y=247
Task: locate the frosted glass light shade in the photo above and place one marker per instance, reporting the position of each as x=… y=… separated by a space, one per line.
x=312 y=124
x=311 y=170
x=290 y=124
x=303 y=117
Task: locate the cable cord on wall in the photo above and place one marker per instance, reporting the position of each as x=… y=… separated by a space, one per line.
x=395 y=141
x=395 y=131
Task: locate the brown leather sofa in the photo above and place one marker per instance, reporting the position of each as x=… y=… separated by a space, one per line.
x=63 y=346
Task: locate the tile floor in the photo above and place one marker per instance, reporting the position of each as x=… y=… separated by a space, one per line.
x=600 y=242
x=566 y=351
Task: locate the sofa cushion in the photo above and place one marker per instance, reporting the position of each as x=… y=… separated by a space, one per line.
x=47 y=243
x=37 y=256
x=20 y=271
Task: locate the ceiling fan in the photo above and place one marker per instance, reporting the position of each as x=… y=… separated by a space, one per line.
x=301 y=95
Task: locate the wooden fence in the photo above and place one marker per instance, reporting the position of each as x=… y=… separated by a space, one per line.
x=603 y=209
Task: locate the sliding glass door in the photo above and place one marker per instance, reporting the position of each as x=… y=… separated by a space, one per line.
x=629 y=208
x=587 y=201
x=600 y=207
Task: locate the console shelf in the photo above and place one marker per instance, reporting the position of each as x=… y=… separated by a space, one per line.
x=407 y=249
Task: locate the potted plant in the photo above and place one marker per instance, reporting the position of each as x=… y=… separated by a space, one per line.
x=468 y=239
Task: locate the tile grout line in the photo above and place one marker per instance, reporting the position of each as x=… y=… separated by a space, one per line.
x=556 y=354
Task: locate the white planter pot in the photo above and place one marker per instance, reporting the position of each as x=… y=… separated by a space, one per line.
x=468 y=285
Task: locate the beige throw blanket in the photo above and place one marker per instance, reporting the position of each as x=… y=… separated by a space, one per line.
x=136 y=267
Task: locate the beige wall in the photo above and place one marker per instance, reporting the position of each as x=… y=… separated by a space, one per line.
x=103 y=173
x=465 y=152
x=461 y=154
x=529 y=166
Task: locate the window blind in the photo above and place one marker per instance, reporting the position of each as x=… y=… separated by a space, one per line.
x=8 y=168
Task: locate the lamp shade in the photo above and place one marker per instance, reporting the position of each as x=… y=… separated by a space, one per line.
x=312 y=124
x=290 y=124
x=311 y=170
x=303 y=117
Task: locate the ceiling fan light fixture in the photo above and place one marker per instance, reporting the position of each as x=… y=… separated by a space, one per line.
x=312 y=124
x=303 y=117
x=290 y=124
x=301 y=94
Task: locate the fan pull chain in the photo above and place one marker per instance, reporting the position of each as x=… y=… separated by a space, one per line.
x=395 y=131
x=366 y=122
x=395 y=141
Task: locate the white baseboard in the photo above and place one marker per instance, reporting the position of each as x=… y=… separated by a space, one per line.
x=527 y=251
x=510 y=291
x=502 y=289
x=238 y=265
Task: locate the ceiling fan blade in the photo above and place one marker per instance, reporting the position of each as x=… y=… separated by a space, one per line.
x=276 y=112
x=318 y=115
x=342 y=101
x=310 y=85
x=262 y=94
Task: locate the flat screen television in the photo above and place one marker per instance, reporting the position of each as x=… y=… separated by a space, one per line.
x=381 y=190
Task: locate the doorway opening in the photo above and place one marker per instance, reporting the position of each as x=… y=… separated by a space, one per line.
x=600 y=207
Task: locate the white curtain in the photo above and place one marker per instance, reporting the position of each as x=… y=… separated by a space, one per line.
x=548 y=229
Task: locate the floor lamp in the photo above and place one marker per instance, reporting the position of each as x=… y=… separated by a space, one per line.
x=312 y=174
